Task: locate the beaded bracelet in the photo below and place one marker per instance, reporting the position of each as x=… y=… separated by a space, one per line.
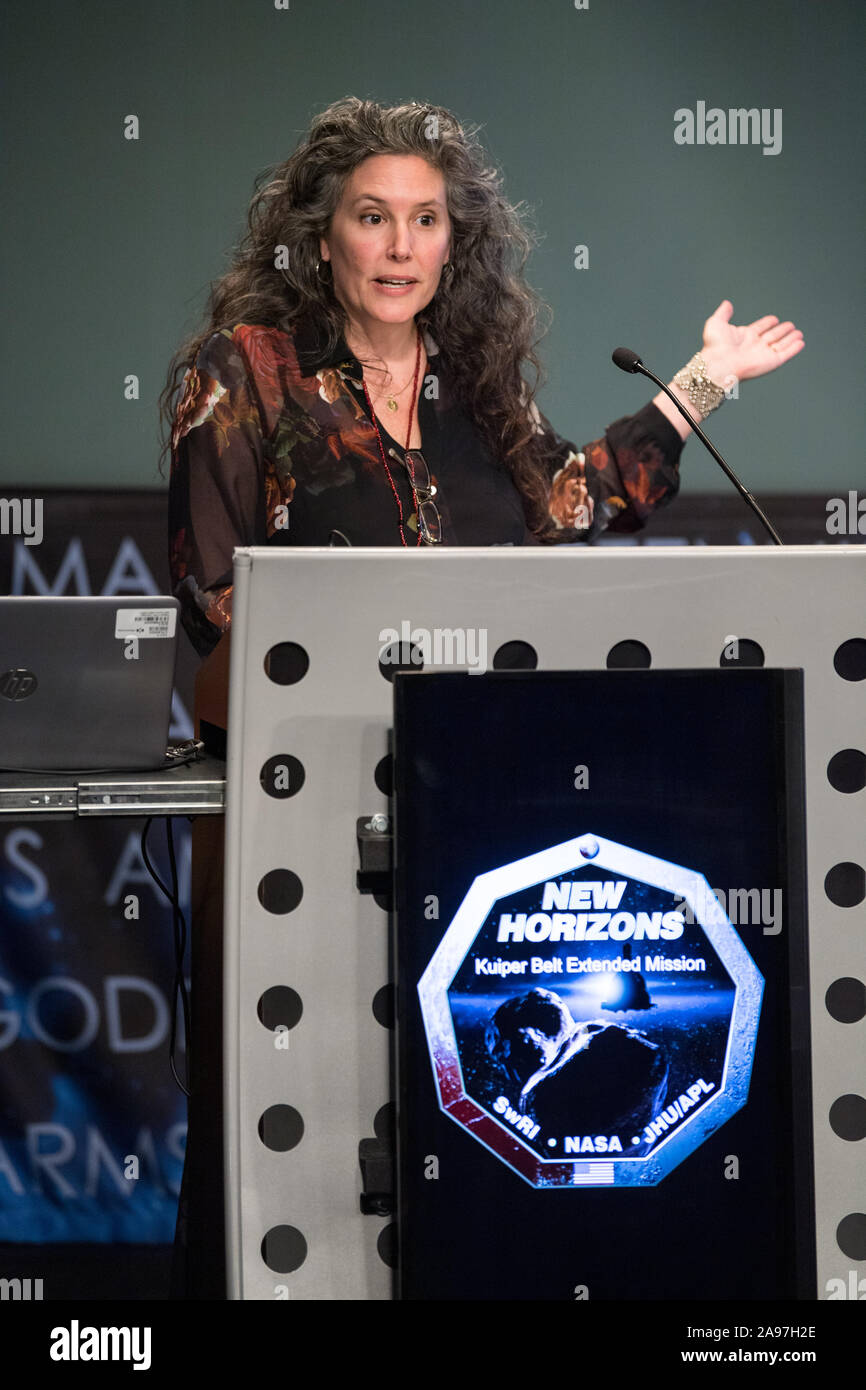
x=704 y=394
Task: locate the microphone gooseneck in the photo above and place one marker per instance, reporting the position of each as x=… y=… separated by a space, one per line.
x=629 y=361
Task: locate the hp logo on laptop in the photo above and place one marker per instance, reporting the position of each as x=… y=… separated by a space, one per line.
x=17 y=684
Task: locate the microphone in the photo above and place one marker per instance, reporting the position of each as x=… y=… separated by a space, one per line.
x=629 y=361
x=626 y=359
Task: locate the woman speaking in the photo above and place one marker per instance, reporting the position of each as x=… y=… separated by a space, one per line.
x=360 y=381
x=361 y=377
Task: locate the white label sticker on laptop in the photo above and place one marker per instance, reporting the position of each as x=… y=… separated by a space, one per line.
x=145 y=622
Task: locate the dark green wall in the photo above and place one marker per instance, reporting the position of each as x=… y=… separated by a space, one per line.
x=109 y=245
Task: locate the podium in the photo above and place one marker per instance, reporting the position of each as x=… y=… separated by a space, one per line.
x=309 y=999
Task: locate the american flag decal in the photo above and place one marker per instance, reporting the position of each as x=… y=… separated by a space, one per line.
x=594 y=1174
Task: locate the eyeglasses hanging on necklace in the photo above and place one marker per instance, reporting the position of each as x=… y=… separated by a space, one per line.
x=429 y=524
x=423 y=491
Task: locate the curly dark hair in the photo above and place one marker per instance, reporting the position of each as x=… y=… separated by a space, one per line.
x=484 y=316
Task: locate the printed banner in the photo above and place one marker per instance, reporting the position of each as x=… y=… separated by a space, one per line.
x=92 y=1123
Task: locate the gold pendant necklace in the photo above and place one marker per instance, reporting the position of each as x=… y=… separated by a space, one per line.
x=390 y=400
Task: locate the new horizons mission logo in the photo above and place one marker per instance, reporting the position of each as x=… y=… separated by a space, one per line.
x=581 y=1026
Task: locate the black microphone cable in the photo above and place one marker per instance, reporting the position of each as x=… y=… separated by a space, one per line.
x=179 y=934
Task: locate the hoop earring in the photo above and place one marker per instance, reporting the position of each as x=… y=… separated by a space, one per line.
x=328 y=280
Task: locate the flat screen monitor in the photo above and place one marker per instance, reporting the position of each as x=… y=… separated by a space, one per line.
x=602 y=1024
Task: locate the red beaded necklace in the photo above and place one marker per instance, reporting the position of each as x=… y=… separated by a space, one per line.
x=408 y=438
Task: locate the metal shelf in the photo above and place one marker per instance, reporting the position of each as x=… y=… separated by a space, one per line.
x=195 y=789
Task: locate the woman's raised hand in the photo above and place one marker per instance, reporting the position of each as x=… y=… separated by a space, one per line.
x=749 y=350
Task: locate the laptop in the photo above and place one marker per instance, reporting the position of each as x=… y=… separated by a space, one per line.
x=86 y=683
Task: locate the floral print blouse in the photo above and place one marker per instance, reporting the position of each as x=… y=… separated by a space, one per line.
x=272 y=444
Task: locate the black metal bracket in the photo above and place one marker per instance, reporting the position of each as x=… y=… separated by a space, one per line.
x=375 y=851
x=376 y=1157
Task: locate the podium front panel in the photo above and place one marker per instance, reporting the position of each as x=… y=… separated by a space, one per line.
x=308 y=990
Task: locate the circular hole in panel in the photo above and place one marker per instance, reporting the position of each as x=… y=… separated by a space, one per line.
x=849 y=660
x=385 y=1122
x=848 y=1117
x=845 y=884
x=846 y=770
x=284 y=1249
x=400 y=656
x=851 y=1235
x=280 y=1007
x=281 y=1128
x=384 y=1002
x=746 y=653
x=286 y=663
x=515 y=656
x=386 y=1245
x=384 y=775
x=628 y=656
x=282 y=776
x=280 y=891
x=846 y=1000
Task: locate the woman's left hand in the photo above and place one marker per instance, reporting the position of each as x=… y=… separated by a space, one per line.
x=751 y=350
